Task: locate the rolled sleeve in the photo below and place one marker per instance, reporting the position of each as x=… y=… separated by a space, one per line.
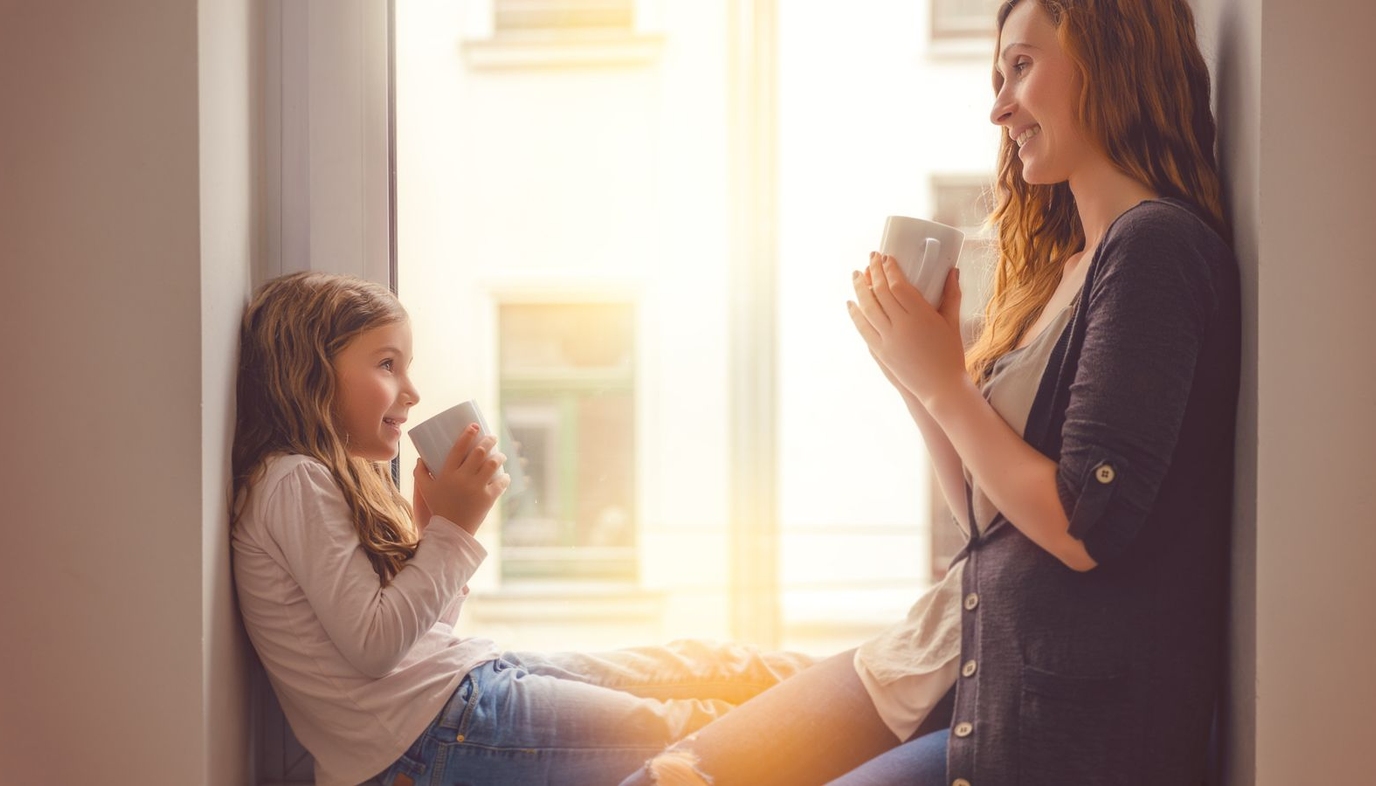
x=1148 y=307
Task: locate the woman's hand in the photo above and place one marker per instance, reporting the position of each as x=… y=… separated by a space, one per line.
x=918 y=347
x=468 y=484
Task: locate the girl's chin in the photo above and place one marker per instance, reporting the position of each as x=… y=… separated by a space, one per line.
x=382 y=454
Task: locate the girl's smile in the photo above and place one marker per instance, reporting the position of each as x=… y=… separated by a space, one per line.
x=374 y=393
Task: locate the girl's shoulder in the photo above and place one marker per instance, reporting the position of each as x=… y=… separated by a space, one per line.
x=280 y=465
x=294 y=474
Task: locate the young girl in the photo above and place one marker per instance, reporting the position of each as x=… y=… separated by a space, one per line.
x=350 y=595
x=1085 y=445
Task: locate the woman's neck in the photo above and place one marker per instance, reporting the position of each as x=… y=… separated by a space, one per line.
x=1102 y=193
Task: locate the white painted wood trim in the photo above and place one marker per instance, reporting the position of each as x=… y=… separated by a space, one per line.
x=326 y=181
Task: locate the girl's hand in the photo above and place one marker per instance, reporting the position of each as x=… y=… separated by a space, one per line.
x=468 y=484
x=418 y=506
x=918 y=347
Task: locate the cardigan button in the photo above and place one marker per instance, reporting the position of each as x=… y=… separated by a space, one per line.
x=969 y=668
x=964 y=729
x=1104 y=473
x=971 y=601
x=960 y=782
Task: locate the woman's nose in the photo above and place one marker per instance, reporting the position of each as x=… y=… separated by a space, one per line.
x=1003 y=108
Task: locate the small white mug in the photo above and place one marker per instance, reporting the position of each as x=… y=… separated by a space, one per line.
x=926 y=251
x=435 y=437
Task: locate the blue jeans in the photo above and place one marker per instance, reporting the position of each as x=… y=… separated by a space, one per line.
x=816 y=728
x=581 y=718
x=917 y=762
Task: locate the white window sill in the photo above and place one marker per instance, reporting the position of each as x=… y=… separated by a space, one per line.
x=566 y=602
x=558 y=49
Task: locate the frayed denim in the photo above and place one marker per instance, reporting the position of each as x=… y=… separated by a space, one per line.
x=581 y=719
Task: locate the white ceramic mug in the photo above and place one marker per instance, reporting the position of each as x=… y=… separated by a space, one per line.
x=926 y=251
x=435 y=437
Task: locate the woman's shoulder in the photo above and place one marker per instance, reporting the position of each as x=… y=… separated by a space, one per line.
x=1162 y=250
x=1167 y=224
x=1161 y=235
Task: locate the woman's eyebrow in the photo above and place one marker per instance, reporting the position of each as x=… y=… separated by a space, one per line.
x=1004 y=54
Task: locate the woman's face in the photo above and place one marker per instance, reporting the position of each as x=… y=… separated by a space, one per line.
x=1038 y=88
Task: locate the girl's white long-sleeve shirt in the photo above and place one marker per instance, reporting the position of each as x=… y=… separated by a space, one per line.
x=359 y=669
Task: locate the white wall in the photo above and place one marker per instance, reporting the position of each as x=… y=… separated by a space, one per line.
x=1316 y=629
x=1299 y=168
x=125 y=234
x=231 y=66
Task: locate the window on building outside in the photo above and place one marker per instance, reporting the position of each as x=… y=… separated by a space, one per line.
x=956 y=19
x=567 y=388
x=525 y=16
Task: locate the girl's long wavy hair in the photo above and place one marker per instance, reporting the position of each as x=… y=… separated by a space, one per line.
x=1144 y=99
x=292 y=331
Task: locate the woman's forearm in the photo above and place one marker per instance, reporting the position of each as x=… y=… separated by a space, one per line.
x=950 y=472
x=1019 y=480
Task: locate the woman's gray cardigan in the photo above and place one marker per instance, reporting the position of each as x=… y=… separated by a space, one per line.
x=1110 y=676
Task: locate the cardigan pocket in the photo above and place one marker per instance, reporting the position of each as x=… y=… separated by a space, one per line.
x=1075 y=729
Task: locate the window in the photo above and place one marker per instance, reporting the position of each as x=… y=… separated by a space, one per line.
x=524 y=16
x=964 y=201
x=963 y=19
x=581 y=250
x=567 y=390
x=523 y=34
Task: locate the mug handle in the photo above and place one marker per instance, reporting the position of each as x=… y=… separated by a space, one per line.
x=929 y=283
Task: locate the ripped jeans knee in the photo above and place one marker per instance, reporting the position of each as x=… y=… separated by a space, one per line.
x=674 y=767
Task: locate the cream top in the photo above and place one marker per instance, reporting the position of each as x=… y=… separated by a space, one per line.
x=909 y=667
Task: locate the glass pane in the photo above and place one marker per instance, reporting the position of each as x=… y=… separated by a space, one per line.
x=567 y=392
x=566 y=249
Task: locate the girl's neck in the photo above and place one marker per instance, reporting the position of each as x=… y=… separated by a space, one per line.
x=1102 y=193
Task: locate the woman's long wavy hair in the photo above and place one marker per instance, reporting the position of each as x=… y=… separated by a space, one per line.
x=1144 y=99
x=292 y=331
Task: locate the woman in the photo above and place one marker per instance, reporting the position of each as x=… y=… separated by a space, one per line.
x=1085 y=443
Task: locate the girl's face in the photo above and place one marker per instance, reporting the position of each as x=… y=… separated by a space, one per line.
x=374 y=393
x=1038 y=88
